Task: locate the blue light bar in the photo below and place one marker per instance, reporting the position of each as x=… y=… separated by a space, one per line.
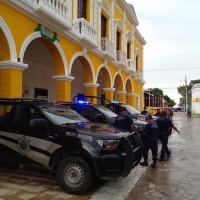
x=114 y=101
x=82 y=102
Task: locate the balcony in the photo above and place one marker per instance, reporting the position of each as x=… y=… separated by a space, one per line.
x=139 y=76
x=107 y=48
x=121 y=58
x=86 y=32
x=131 y=66
x=54 y=12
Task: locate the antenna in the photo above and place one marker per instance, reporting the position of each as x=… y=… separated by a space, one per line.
x=49 y=93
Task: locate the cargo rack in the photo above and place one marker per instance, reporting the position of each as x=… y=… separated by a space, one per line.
x=24 y=99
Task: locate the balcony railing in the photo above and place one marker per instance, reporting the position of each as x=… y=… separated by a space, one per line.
x=107 y=45
x=139 y=75
x=131 y=65
x=57 y=12
x=121 y=56
x=85 y=30
x=56 y=8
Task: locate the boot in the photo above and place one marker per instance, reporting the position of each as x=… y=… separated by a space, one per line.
x=144 y=163
x=154 y=165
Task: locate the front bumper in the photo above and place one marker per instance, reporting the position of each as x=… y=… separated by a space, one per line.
x=120 y=163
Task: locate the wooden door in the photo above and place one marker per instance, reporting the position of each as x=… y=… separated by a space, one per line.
x=103 y=26
x=82 y=9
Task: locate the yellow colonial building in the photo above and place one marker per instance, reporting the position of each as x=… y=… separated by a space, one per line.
x=58 y=48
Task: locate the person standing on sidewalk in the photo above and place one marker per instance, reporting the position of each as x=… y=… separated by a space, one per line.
x=151 y=142
x=124 y=121
x=164 y=126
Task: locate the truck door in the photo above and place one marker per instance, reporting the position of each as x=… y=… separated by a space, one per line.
x=29 y=142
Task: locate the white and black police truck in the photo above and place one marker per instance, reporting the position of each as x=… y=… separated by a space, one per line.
x=54 y=136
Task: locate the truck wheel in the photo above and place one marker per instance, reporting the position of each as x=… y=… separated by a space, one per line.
x=74 y=175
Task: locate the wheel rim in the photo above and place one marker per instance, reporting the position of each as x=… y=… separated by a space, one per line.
x=73 y=175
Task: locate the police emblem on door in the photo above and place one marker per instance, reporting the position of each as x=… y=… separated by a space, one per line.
x=23 y=146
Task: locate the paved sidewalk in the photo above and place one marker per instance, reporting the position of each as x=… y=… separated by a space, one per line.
x=179 y=177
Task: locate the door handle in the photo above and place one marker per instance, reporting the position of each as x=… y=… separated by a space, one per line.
x=13 y=131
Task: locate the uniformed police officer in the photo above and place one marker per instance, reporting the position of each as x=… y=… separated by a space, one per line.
x=158 y=114
x=124 y=121
x=144 y=112
x=151 y=141
x=164 y=126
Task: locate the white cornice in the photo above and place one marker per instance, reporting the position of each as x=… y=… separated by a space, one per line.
x=139 y=37
x=109 y=89
x=9 y=64
x=130 y=15
x=63 y=78
x=91 y=85
x=121 y=92
x=132 y=95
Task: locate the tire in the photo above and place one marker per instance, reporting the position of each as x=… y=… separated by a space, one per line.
x=74 y=175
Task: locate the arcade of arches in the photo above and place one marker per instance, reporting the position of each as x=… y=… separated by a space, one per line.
x=46 y=69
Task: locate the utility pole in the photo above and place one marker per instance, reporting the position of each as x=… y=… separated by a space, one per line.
x=186 y=103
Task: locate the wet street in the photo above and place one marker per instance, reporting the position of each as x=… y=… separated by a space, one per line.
x=175 y=179
x=179 y=177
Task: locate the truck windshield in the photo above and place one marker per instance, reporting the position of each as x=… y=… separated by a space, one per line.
x=107 y=112
x=62 y=115
x=131 y=110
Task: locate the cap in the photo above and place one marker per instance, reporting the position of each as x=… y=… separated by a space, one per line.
x=123 y=109
x=149 y=117
x=164 y=113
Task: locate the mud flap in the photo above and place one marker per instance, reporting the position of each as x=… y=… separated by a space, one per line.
x=129 y=160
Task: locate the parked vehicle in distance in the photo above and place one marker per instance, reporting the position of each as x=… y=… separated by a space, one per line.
x=51 y=135
x=116 y=106
x=100 y=114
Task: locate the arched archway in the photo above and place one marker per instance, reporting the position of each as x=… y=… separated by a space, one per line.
x=104 y=79
x=55 y=49
x=118 y=83
x=129 y=89
x=45 y=59
x=8 y=52
x=81 y=68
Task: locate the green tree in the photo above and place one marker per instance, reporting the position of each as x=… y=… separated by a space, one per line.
x=182 y=89
x=156 y=90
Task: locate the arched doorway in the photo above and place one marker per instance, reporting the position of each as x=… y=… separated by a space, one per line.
x=37 y=78
x=129 y=89
x=82 y=71
x=118 y=85
x=104 y=81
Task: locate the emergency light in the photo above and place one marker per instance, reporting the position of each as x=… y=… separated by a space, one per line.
x=114 y=102
x=82 y=102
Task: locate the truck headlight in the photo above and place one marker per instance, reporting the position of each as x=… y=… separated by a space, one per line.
x=108 y=144
x=139 y=128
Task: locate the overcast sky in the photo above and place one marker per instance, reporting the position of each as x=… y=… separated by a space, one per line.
x=171 y=29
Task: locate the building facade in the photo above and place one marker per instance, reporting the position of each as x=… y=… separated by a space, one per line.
x=195 y=106
x=57 y=48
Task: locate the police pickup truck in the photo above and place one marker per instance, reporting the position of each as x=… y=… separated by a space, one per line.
x=54 y=136
x=115 y=107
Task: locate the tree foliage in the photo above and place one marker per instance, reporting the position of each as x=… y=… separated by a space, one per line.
x=156 y=90
x=182 y=89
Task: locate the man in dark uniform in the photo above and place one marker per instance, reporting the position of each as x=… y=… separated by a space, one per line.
x=124 y=121
x=144 y=112
x=158 y=113
x=164 y=126
x=151 y=141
